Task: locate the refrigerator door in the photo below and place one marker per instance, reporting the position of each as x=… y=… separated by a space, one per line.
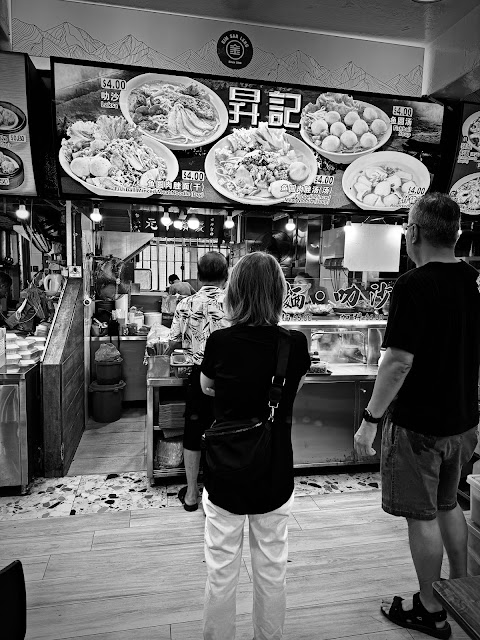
x=10 y=453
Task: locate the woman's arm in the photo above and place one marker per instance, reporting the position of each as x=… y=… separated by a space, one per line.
x=208 y=385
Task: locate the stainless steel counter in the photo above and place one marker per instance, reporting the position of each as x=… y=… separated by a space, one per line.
x=6 y=374
x=345 y=372
x=115 y=338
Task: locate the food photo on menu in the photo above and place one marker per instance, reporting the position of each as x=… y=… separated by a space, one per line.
x=465 y=184
x=123 y=132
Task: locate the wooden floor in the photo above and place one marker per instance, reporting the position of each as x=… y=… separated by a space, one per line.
x=139 y=575
x=116 y=447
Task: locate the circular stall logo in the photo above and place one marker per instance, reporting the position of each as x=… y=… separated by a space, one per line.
x=235 y=49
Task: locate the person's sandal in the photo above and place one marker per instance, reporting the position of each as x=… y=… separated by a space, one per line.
x=418 y=618
x=181 y=496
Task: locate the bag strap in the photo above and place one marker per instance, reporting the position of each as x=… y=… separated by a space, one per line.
x=278 y=380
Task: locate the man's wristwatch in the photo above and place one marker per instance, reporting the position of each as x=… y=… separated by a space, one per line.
x=367 y=416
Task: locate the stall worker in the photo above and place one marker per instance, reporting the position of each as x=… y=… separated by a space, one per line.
x=177 y=286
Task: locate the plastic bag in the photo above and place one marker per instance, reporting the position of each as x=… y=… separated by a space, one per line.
x=157 y=340
x=107 y=352
x=169 y=304
x=169 y=453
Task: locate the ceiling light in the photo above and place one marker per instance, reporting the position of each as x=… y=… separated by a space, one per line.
x=460 y=232
x=229 y=223
x=166 y=220
x=22 y=213
x=426 y=1
x=290 y=226
x=96 y=216
x=193 y=223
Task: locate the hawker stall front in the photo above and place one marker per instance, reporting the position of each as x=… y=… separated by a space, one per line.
x=168 y=166
x=32 y=261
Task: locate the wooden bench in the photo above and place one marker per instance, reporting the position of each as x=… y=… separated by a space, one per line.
x=461 y=598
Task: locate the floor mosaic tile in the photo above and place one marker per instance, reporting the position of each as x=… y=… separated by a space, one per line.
x=132 y=491
x=47 y=497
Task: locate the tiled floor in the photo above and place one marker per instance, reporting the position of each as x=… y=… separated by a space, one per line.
x=106 y=493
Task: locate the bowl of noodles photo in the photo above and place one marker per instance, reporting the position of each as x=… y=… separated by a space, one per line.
x=466 y=192
x=260 y=165
x=12 y=173
x=110 y=157
x=12 y=119
x=179 y=112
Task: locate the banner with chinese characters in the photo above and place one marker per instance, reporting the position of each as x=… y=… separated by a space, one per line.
x=465 y=185
x=306 y=300
x=212 y=141
x=16 y=170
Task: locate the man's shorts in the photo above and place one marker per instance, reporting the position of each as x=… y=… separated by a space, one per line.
x=420 y=473
x=198 y=412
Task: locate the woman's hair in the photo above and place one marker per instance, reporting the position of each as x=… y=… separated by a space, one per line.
x=256 y=291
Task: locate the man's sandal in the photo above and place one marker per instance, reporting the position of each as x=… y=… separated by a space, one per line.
x=418 y=618
x=181 y=496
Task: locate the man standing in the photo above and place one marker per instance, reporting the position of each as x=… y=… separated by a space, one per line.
x=195 y=319
x=431 y=364
x=177 y=286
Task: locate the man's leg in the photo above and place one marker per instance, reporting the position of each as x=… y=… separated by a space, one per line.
x=192 y=465
x=453 y=527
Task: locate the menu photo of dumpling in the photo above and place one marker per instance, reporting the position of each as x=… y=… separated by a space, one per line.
x=12 y=119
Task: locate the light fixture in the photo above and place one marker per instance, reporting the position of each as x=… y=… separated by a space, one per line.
x=460 y=232
x=290 y=226
x=165 y=219
x=426 y=1
x=348 y=223
x=229 y=223
x=22 y=213
x=178 y=223
x=96 y=216
x=193 y=223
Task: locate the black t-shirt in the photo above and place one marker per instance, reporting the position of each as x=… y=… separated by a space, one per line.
x=435 y=315
x=242 y=361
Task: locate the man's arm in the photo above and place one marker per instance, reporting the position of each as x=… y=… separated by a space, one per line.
x=391 y=375
x=208 y=385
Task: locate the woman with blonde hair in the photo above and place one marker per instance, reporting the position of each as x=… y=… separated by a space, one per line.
x=238 y=367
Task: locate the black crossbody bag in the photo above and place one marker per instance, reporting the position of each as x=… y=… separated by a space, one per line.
x=238 y=453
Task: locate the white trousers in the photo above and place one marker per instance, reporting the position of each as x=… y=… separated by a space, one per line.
x=268 y=534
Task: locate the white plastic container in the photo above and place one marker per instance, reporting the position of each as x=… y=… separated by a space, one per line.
x=24 y=362
x=11 y=336
x=40 y=341
x=22 y=344
x=30 y=339
x=152 y=317
x=13 y=368
x=13 y=358
x=473 y=538
x=12 y=347
x=474 y=482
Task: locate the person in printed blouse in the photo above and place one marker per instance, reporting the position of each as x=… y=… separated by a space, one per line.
x=196 y=317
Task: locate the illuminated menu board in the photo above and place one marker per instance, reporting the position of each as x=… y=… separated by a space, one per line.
x=465 y=184
x=16 y=170
x=125 y=132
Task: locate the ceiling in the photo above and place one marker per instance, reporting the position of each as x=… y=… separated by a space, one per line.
x=388 y=20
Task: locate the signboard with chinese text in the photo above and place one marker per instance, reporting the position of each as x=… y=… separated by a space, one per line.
x=212 y=141
x=465 y=184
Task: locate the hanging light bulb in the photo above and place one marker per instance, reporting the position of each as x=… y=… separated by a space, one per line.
x=22 y=213
x=96 y=216
x=165 y=219
x=229 y=223
x=178 y=223
x=460 y=232
x=193 y=223
x=290 y=226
